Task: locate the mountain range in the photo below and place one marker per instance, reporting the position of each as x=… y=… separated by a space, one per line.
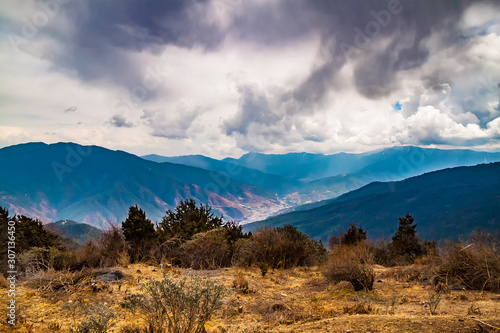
x=95 y=185
x=446 y=204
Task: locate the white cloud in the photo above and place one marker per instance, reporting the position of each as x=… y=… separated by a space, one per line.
x=242 y=94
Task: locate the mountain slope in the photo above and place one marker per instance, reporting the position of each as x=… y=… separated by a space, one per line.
x=270 y=182
x=93 y=184
x=445 y=204
x=301 y=178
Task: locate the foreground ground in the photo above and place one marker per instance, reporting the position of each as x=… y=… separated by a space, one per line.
x=294 y=300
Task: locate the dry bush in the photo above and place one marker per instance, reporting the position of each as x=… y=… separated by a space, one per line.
x=351 y=263
x=284 y=247
x=106 y=252
x=178 y=306
x=240 y=283
x=112 y=246
x=433 y=303
x=473 y=310
x=207 y=250
x=475 y=266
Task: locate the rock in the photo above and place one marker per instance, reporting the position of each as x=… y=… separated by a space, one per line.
x=108 y=277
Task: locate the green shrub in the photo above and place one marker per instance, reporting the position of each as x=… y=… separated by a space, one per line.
x=99 y=320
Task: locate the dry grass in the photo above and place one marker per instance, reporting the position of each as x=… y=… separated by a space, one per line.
x=4 y=284
x=297 y=299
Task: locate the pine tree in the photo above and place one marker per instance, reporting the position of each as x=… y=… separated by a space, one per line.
x=353 y=235
x=405 y=242
x=187 y=220
x=139 y=233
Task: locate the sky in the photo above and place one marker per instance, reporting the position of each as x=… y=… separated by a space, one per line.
x=226 y=77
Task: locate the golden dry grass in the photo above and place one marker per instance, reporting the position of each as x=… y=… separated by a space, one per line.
x=292 y=300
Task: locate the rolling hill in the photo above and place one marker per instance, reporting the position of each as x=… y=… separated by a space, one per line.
x=80 y=233
x=446 y=204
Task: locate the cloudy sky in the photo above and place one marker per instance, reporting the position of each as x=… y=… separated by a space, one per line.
x=224 y=77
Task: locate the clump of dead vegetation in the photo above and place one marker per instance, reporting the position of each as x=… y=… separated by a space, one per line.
x=475 y=266
x=351 y=263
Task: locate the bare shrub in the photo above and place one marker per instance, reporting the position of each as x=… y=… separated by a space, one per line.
x=240 y=283
x=178 y=306
x=351 y=263
x=112 y=246
x=433 y=302
x=475 y=266
x=473 y=310
x=51 y=280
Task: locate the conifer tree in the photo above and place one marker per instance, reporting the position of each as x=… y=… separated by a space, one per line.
x=139 y=233
x=405 y=242
x=187 y=220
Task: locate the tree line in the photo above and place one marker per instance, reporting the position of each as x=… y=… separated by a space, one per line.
x=192 y=236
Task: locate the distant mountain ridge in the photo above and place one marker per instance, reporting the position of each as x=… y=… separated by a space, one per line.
x=316 y=177
x=80 y=233
x=94 y=185
x=446 y=204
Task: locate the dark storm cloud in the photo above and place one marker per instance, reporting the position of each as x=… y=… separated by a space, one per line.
x=254 y=108
x=105 y=32
x=378 y=38
x=352 y=30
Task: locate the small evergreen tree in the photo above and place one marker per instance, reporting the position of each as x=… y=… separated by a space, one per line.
x=139 y=233
x=31 y=233
x=27 y=233
x=353 y=235
x=405 y=242
x=187 y=220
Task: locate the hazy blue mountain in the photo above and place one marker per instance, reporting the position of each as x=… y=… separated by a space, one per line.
x=386 y=164
x=81 y=233
x=94 y=184
x=229 y=169
x=446 y=204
